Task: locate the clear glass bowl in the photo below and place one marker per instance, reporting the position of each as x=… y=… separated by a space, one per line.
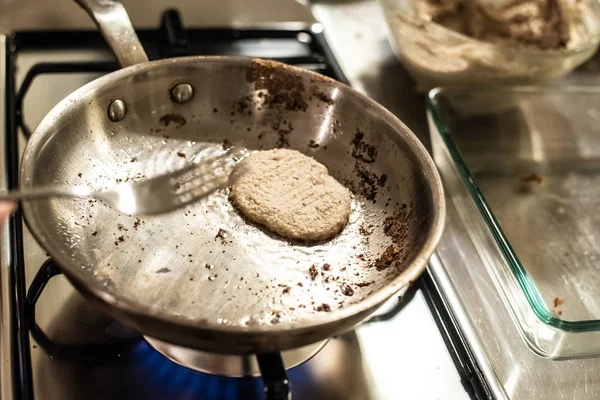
x=525 y=178
x=436 y=56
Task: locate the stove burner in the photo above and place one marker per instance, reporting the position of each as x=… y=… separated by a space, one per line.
x=230 y=365
x=170 y=380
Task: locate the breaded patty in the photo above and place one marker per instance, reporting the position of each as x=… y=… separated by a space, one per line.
x=290 y=194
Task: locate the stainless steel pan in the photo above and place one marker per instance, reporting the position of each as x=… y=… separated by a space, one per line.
x=202 y=277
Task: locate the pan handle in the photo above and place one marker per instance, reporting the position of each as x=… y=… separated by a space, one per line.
x=114 y=24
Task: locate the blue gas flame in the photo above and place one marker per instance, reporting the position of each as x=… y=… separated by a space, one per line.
x=165 y=379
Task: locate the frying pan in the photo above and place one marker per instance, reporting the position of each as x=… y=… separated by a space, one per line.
x=203 y=277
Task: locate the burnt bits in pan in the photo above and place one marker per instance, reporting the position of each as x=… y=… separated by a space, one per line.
x=322 y=96
x=313 y=145
x=312 y=271
x=369 y=183
x=222 y=236
x=274 y=120
x=283 y=128
x=362 y=151
x=176 y=119
x=324 y=307
x=279 y=88
x=347 y=289
x=283 y=86
x=397 y=227
x=242 y=106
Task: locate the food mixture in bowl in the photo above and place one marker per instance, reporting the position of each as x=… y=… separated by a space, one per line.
x=492 y=42
x=544 y=24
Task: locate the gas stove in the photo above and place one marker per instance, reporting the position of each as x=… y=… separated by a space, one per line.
x=54 y=345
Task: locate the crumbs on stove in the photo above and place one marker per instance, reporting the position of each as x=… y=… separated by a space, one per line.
x=532 y=177
x=558 y=302
x=530 y=182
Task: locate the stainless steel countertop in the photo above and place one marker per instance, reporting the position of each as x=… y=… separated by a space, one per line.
x=356 y=30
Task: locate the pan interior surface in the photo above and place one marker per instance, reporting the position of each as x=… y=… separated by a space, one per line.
x=205 y=265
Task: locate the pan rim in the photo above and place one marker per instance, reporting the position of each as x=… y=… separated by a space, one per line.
x=137 y=311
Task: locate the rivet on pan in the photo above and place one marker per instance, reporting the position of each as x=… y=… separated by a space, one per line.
x=117 y=110
x=182 y=93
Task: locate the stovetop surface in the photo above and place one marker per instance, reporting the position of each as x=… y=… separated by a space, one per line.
x=397 y=355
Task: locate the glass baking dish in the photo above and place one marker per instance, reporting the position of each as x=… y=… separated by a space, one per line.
x=522 y=166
